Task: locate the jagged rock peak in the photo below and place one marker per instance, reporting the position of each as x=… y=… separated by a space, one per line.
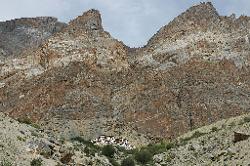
x=89 y=21
x=199 y=17
x=204 y=9
x=202 y=16
x=35 y=22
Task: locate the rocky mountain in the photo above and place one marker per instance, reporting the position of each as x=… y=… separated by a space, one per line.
x=84 y=40
x=26 y=33
x=81 y=81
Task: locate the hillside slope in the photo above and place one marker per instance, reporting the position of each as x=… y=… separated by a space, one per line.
x=223 y=143
x=23 y=144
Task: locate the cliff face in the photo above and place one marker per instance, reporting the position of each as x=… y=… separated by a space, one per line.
x=19 y=34
x=200 y=18
x=193 y=71
x=198 y=33
x=192 y=63
x=90 y=21
x=84 y=40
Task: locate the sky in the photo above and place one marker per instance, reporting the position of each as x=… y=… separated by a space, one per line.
x=131 y=21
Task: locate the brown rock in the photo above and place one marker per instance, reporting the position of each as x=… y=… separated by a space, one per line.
x=240 y=137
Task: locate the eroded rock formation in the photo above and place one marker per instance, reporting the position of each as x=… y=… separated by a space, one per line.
x=81 y=81
x=21 y=34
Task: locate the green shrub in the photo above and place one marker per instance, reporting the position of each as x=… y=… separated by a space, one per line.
x=35 y=126
x=214 y=129
x=82 y=140
x=159 y=147
x=66 y=158
x=85 y=142
x=90 y=151
x=87 y=150
x=90 y=148
x=36 y=162
x=5 y=163
x=108 y=151
x=128 y=162
x=126 y=152
x=143 y=156
x=232 y=124
x=196 y=134
x=113 y=162
x=24 y=120
x=247 y=119
x=28 y=121
x=21 y=138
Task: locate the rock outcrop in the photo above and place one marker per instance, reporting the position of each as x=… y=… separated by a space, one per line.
x=19 y=34
x=90 y=21
x=82 y=81
x=202 y=17
x=84 y=40
x=198 y=33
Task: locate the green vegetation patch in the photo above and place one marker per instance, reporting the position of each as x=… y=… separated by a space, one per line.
x=90 y=148
x=108 y=151
x=21 y=139
x=128 y=162
x=196 y=134
x=247 y=119
x=28 y=122
x=159 y=147
x=214 y=129
x=143 y=156
x=36 y=162
x=24 y=120
x=113 y=162
x=5 y=163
